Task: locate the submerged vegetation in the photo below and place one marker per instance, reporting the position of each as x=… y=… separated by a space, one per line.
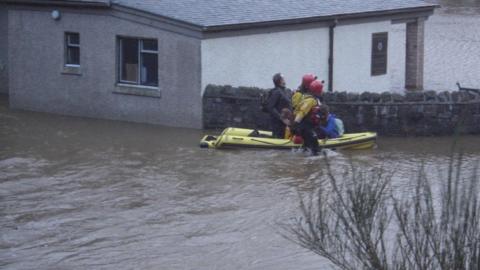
x=359 y=221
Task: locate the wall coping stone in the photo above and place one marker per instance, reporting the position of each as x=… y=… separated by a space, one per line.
x=420 y=97
x=352 y=97
x=415 y=96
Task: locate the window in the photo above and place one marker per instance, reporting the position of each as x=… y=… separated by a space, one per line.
x=72 y=49
x=379 y=53
x=138 y=61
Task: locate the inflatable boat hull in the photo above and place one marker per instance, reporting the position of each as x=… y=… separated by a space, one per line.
x=249 y=138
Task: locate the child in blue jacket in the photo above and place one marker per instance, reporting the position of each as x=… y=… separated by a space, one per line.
x=328 y=124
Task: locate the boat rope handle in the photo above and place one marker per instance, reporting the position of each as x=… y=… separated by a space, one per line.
x=271 y=143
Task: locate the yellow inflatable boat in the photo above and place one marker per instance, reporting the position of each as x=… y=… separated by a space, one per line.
x=249 y=138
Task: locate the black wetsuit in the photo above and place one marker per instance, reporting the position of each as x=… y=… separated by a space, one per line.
x=280 y=98
x=309 y=135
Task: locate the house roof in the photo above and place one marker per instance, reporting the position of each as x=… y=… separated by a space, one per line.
x=214 y=13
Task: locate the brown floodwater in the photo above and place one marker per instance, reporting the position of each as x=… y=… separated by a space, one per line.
x=79 y=193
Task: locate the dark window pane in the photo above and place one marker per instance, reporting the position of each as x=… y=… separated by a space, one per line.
x=73 y=39
x=379 y=53
x=129 y=58
x=150 y=44
x=149 y=70
x=72 y=53
x=73 y=56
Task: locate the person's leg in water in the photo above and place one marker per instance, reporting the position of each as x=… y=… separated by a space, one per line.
x=310 y=139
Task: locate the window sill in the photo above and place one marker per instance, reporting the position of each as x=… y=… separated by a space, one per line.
x=377 y=75
x=137 y=90
x=72 y=70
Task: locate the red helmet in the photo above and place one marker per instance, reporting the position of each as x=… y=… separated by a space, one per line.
x=316 y=87
x=307 y=79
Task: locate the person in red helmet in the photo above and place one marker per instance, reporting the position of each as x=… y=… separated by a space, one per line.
x=307 y=117
x=307 y=79
x=316 y=88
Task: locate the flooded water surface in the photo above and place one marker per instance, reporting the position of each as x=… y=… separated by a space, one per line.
x=89 y=194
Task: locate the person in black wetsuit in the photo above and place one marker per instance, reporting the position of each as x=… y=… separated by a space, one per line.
x=280 y=99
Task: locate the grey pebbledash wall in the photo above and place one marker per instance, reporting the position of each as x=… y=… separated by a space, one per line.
x=413 y=114
x=93 y=90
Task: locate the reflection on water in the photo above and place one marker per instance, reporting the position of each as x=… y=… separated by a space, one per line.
x=88 y=194
x=458 y=6
x=459 y=3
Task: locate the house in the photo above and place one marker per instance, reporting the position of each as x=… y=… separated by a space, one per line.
x=150 y=61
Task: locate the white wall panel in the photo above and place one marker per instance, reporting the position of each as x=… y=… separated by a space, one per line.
x=352 y=57
x=251 y=60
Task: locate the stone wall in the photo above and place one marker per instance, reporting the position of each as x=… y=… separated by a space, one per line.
x=413 y=114
x=226 y=106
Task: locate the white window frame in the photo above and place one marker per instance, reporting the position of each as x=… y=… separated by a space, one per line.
x=71 y=45
x=139 y=69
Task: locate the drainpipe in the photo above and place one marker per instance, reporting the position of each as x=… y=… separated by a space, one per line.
x=331 y=35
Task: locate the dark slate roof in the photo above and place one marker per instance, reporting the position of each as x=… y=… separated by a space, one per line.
x=210 y=13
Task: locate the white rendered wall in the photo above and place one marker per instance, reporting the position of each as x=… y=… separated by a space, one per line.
x=352 y=57
x=251 y=60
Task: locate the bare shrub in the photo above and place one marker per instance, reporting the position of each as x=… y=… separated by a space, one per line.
x=358 y=222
